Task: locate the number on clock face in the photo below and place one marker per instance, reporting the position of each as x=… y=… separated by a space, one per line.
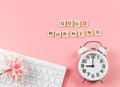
x=93 y=66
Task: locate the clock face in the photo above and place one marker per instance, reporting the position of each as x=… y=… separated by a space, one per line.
x=93 y=66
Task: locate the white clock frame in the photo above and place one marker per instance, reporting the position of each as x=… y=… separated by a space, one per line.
x=93 y=70
x=101 y=51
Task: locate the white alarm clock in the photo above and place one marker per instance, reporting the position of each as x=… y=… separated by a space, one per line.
x=93 y=64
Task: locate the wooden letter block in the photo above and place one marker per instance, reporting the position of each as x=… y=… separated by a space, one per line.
x=81 y=34
x=58 y=34
x=73 y=34
x=76 y=23
x=62 y=23
x=69 y=23
x=84 y=23
x=98 y=32
x=64 y=33
x=51 y=33
x=89 y=32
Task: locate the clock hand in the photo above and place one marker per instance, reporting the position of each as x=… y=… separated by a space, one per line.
x=89 y=65
x=92 y=62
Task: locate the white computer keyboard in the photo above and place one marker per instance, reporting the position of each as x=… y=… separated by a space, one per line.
x=39 y=73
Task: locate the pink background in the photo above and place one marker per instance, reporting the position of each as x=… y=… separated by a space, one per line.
x=24 y=25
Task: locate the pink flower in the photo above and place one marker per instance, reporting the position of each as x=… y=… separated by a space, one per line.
x=14 y=67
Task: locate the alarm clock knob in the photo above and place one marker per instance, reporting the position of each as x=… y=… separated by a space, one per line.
x=82 y=50
x=102 y=50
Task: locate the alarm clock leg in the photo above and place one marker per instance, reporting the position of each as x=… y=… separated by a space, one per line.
x=84 y=80
x=101 y=81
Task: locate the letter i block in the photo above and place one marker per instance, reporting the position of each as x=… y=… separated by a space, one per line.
x=77 y=23
x=73 y=33
x=81 y=34
x=84 y=23
x=98 y=32
x=58 y=34
x=63 y=23
x=89 y=32
x=69 y=23
x=64 y=33
x=51 y=33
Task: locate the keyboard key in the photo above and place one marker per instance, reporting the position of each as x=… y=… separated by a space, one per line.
x=45 y=77
x=27 y=85
x=57 y=74
x=51 y=79
x=50 y=72
x=39 y=75
x=33 y=81
x=32 y=74
x=44 y=70
x=39 y=83
x=26 y=79
x=57 y=81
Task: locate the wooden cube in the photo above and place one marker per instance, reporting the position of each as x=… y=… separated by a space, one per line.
x=89 y=32
x=64 y=33
x=63 y=23
x=58 y=34
x=73 y=33
x=98 y=32
x=77 y=23
x=69 y=23
x=84 y=23
x=81 y=34
x=51 y=33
